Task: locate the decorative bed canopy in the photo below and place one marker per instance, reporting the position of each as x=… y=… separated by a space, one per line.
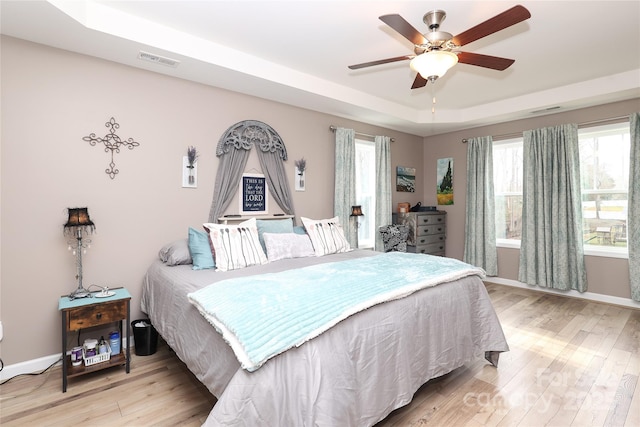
x=233 y=150
x=243 y=135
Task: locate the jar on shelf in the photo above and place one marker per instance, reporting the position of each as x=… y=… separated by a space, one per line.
x=90 y=345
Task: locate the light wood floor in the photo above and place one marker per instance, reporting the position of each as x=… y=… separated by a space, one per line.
x=572 y=363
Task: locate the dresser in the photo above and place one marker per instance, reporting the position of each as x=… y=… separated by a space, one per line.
x=427 y=231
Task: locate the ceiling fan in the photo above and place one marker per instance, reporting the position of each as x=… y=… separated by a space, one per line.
x=434 y=50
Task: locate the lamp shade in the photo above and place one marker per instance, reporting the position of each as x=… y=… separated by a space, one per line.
x=356 y=210
x=79 y=217
x=433 y=64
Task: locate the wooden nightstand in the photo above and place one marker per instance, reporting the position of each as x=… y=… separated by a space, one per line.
x=88 y=312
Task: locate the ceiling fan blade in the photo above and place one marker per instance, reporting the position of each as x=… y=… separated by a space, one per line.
x=419 y=82
x=380 y=61
x=486 y=61
x=499 y=22
x=407 y=30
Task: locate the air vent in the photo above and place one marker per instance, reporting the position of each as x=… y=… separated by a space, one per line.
x=545 y=110
x=146 y=56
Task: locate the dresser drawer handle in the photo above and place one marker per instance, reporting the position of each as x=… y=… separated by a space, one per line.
x=99 y=316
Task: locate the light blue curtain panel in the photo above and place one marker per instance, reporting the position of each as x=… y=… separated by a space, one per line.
x=551 y=252
x=633 y=210
x=480 y=227
x=345 y=183
x=383 y=186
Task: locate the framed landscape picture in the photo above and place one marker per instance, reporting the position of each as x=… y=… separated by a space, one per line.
x=445 y=181
x=405 y=179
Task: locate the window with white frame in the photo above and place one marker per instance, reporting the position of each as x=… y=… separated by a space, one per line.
x=366 y=192
x=604 y=175
x=507 y=181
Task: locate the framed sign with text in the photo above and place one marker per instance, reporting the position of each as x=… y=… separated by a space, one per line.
x=253 y=194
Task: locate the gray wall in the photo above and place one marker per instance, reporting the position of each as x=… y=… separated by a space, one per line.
x=51 y=99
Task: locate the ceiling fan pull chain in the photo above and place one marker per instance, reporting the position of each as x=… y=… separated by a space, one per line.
x=433 y=99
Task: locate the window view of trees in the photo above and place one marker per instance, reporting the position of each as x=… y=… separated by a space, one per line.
x=507 y=179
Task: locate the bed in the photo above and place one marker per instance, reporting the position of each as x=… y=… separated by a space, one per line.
x=353 y=374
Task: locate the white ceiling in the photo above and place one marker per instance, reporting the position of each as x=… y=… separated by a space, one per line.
x=569 y=54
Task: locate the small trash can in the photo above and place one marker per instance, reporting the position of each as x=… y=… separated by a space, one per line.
x=145 y=337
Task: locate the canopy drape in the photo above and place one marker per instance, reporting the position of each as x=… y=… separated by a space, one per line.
x=233 y=150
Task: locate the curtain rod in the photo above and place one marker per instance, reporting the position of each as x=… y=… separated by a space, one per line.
x=332 y=128
x=580 y=125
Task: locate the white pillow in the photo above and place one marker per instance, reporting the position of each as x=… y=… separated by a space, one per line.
x=235 y=246
x=287 y=245
x=326 y=236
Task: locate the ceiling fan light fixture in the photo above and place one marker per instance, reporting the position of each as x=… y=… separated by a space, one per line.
x=433 y=64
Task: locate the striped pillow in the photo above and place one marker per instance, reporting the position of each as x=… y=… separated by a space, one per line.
x=327 y=236
x=235 y=246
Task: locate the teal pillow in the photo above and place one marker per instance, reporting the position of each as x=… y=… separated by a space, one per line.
x=273 y=226
x=299 y=229
x=200 y=250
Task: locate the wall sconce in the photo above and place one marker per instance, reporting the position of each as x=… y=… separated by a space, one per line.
x=77 y=224
x=301 y=167
x=190 y=168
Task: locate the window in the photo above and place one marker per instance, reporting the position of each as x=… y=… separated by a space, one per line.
x=604 y=175
x=365 y=192
x=507 y=179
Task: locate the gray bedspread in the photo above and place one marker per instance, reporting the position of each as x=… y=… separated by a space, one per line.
x=354 y=374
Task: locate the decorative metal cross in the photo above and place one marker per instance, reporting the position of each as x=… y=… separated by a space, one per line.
x=112 y=142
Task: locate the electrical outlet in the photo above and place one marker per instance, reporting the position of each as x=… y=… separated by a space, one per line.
x=1 y=331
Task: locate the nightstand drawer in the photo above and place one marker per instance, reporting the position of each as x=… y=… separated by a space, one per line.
x=424 y=230
x=432 y=238
x=92 y=315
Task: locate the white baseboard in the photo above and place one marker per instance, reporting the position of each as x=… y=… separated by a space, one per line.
x=608 y=299
x=28 y=367
x=37 y=365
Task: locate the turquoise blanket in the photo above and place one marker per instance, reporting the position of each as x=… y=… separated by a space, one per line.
x=262 y=316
